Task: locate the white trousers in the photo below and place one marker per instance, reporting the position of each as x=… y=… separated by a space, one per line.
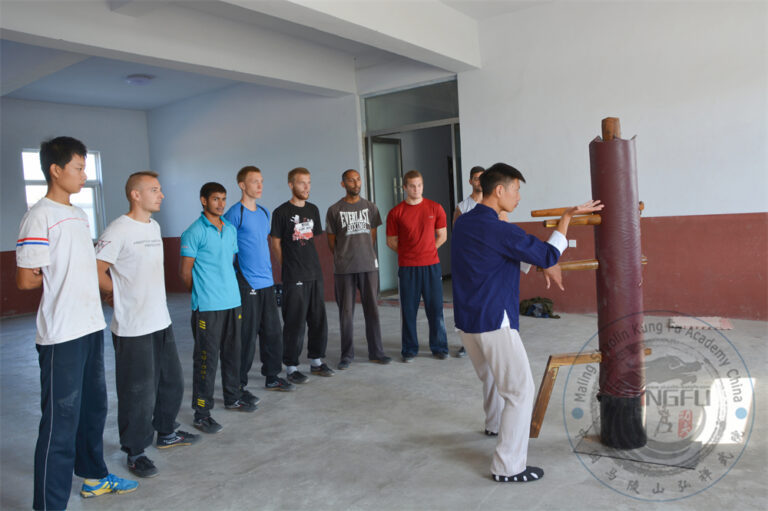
x=502 y=365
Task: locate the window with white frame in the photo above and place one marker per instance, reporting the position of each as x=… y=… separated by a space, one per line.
x=89 y=198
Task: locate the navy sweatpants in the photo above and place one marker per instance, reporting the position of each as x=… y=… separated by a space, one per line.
x=415 y=282
x=73 y=400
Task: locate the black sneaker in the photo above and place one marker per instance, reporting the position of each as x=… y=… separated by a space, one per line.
x=344 y=364
x=178 y=439
x=322 y=370
x=490 y=433
x=408 y=359
x=461 y=353
x=440 y=355
x=207 y=425
x=248 y=397
x=241 y=406
x=297 y=378
x=383 y=360
x=142 y=467
x=279 y=384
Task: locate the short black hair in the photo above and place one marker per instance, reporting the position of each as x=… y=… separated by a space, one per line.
x=59 y=151
x=498 y=174
x=209 y=189
x=477 y=169
x=346 y=172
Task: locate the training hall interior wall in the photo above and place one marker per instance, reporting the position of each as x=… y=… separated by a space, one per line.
x=119 y=135
x=206 y=138
x=690 y=81
x=210 y=137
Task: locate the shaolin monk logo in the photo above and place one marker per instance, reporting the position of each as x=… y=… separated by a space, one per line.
x=698 y=411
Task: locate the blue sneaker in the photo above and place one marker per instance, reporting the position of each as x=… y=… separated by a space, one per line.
x=110 y=484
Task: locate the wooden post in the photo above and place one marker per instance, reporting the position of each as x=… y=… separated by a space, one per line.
x=611 y=128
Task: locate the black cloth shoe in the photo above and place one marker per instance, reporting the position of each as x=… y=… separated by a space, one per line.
x=526 y=476
x=383 y=360
x=241 y=406
x=408 y=359
x=207 y=425
x=178 y=439
x=248 y=397
x=440 y=355
x=344 y=364
x=461 y=353
x=142 y=467
x=322 y=370
x=297 y=378
x=279 y=384
x=490 y=433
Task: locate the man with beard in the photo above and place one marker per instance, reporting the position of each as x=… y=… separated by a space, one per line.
x=351 y=226
x=208 y=247
x=295 y=224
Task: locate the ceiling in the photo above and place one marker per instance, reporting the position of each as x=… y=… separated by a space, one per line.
x=96 y=81
x=46 y=74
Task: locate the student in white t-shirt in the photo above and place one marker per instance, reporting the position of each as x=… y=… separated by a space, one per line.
x=472 y=199
x=466 y=206
x=148 y=375
x=55 y=251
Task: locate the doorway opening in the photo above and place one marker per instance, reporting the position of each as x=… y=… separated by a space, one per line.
x=412 y=129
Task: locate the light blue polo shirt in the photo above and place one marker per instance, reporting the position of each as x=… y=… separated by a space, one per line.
x=214 y=284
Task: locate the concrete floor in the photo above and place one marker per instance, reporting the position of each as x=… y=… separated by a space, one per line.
x=402 y=436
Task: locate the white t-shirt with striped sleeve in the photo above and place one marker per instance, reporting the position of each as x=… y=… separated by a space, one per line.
x=57 y=238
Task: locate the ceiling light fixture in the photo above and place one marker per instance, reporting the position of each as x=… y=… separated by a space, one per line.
x=139 y=79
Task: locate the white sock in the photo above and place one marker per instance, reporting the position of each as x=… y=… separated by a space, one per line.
x=291 y=369
x=317 y=362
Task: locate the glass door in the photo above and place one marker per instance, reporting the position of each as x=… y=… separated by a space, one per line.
x=387 y=174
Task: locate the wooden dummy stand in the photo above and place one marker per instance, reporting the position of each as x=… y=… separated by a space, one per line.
x=611 y=129
x=554 y=364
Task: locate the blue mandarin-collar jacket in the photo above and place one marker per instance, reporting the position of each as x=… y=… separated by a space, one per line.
x=485 y=266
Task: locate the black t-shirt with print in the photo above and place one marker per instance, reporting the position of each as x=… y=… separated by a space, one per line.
x=296 y=228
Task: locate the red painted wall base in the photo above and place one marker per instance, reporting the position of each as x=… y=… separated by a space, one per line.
x=709 y=265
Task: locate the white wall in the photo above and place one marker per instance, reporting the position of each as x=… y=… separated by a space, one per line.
x=210 y=137
x=689 y=79
x=119 y=135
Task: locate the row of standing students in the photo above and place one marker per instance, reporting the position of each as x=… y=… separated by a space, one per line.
x=233 y=305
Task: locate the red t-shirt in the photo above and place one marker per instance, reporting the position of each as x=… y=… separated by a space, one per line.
x=414 y=226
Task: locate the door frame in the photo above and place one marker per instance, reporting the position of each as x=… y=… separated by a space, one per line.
x=380 y=136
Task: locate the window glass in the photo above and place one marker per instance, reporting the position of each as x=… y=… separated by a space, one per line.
x=88 y=199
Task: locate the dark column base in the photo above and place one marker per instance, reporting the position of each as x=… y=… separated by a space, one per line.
x=622 y=422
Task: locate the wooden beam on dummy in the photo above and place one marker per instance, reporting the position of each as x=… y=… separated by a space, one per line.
x=559 y=211
x=585 y=264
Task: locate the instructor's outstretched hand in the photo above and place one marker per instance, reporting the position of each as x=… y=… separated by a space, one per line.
x=592 y=206
x=555 y=273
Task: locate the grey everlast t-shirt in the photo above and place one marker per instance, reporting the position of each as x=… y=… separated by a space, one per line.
x=352 y=225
